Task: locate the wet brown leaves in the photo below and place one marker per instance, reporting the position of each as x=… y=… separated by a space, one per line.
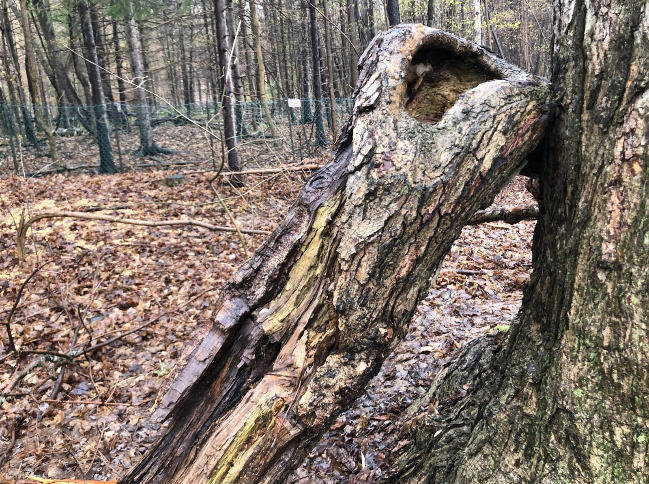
x=102 y=281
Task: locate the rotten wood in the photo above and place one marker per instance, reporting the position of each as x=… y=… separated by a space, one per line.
x=511 y=215
x=308 y=320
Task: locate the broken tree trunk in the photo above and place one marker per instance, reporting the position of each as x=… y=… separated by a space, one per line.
x=439 y=127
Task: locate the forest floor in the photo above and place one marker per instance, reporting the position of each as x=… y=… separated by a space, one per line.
x=142 y=295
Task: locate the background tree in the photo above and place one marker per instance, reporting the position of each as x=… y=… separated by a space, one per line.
x=33 y=77
x=147 y=145
x=106 y=163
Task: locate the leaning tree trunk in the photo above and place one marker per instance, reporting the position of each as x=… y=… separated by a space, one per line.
x=439 y=126
x=564 y=399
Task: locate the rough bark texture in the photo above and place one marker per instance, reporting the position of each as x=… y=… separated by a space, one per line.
x=307 y=321
x=564 y=398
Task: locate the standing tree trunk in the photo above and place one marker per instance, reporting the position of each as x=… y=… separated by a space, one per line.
x=307 y=321
x=119 y=69
x=184 y=70
x=14 y=81
x=234 y=36
x=563 y=398
x=229 y=128
x=106 y=163
x=320 y=138
x=353 y=46
x=65 y=87
x=330 y=72
x=143 y=114
x=31 y=70
x=430 y=13
x=477 y=21
x=261 y=69
x=392 y=8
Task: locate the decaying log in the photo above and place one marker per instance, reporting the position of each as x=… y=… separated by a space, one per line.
x=511 y=215
x=439 y=127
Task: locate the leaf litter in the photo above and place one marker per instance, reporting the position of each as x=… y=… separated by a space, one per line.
x=91 y=419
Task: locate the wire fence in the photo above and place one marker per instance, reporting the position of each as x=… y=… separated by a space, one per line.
x=296 y=128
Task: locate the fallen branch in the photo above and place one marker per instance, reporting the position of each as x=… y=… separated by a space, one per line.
x=511 y=215
x=24 y=226
x=263 y=171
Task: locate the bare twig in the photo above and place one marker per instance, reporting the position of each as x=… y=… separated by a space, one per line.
x=229 y=213
x=22 y=233
x=148 y=323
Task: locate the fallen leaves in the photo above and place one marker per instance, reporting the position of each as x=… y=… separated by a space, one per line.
x=124 y=302
x=140 y=298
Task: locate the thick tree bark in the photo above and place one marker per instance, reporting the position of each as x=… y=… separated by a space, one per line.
x=307 y=321
x=563 y=399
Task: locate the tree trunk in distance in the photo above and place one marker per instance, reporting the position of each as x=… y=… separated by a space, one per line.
x=229 y=128
x=352 y=19
x=330 y=72
x=261 y=71
x=477 y=21
x=41 y=10
x=308 y=320
x=235 y=37
x=14 y=81
x=563 y=397
x=31 y=70
x=119 y=70
x=143 y=115
x=106 y=163
x=320 y=138
x=392 y=8
x=430 y=13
